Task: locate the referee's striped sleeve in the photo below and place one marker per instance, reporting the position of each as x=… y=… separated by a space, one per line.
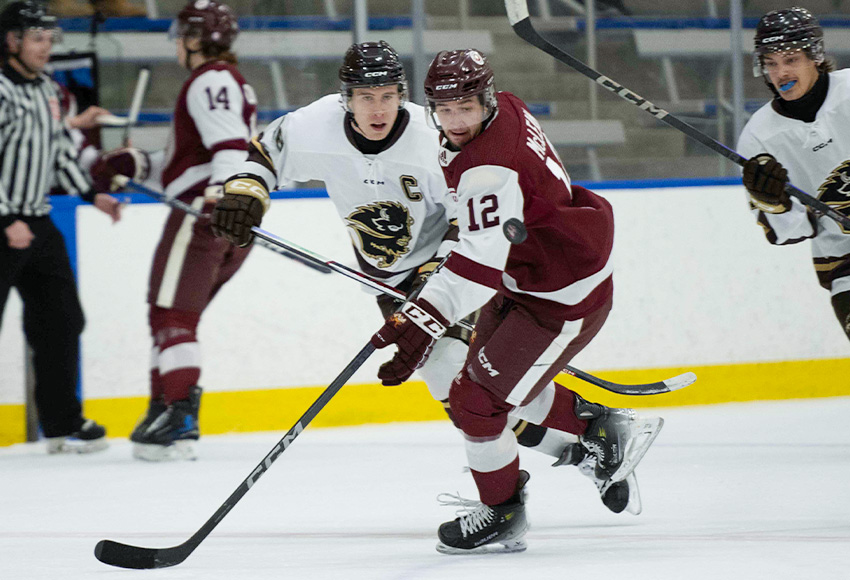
x=36 y=149
x=71 y=178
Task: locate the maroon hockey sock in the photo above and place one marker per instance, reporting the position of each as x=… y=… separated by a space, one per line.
x=178 y=382
x=157 y=388
x=179 y=354
x=495 y=487
x=562 y=415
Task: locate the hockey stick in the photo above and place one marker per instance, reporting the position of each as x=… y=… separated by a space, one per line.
x=136 y=103
x=127 y=556
x=656 y=388
x=136 y=557
x=521 y=23
x=305 y=256
x=183 y=206
x=132 y=117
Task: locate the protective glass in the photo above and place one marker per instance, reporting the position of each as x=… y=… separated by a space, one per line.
x=37 y=33
x=812 y=48
x=179 y=29
x=345 y=92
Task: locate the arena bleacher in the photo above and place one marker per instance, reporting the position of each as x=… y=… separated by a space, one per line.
x=677 y=56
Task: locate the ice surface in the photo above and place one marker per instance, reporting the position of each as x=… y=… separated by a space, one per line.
x=749 y=491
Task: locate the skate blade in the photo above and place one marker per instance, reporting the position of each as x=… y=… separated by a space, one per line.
x=505 y=547
x=634 y=506
x=177 y=451
x=643 y=433
x=63 y=445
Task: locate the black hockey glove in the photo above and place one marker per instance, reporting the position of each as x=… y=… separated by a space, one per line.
x=765 y=179
x=414 y=329
x=241 y=208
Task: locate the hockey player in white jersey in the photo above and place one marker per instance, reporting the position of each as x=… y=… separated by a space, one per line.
x=803 y=135
x=379 y=161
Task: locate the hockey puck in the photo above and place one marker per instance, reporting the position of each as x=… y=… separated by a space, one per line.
x=515 y=231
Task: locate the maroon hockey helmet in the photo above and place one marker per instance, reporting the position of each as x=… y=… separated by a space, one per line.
x=371 y=64
x=459 y=74
x=787 y=30
x=213 y=22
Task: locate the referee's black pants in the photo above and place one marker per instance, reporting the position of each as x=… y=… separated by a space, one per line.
x=53 y=321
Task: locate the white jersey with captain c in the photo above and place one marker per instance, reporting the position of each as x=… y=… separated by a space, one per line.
x=394 y=203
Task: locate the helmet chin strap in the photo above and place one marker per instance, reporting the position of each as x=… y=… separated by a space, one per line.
x=15 y=55
x=189 y=53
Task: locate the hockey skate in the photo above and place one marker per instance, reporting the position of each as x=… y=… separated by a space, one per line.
x=617 y=438
x=156 y=407
x=483 y=529
x=173 y=434
x=87 y=438
x=619 y=496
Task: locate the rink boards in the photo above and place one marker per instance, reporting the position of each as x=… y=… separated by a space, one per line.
x=696 y=288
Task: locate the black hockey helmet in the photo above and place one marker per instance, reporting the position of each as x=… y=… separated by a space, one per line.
x=24 y=15
x=787 y=30
x=371 y=64
x=213 y=22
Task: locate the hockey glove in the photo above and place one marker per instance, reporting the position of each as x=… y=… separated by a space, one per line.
x=127 y=161
x=765 y=179
x=414 y=329
x=241 y=208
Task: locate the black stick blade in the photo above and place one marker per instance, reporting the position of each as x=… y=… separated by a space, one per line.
x=134 y=557
x=657 y=388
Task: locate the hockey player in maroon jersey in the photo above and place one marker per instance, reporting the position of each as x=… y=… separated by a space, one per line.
x=369 y=146
x=533 y=254
x=213 y=122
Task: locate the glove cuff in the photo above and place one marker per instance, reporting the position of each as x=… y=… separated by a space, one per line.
x=426 y=317
x=767 y=207
x=141 y=163
x=250 y=186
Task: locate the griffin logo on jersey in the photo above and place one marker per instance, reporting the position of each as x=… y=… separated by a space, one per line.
x=384 y=230
x=835 y=190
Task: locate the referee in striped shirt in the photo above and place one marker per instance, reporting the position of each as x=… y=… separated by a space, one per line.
x=36 y=151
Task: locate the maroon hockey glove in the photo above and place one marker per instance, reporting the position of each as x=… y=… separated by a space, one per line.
x=765 y=179
x=241 y=208
x=127 y=161
x=414 y=329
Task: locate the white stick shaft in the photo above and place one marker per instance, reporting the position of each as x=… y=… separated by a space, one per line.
x=517 y=10
x=138 y=96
